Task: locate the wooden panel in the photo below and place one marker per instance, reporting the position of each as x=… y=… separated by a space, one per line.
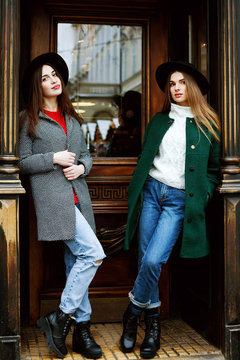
x=9 y=279
x=36 y=265
x=158 y=54
x=232 y=276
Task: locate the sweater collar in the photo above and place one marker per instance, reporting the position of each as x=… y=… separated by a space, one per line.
x=180 y=111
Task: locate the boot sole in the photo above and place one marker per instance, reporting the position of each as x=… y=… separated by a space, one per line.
x=77 y=349
x=45 y=328
x=148 y=355
x=88 y=356
x=126 y=351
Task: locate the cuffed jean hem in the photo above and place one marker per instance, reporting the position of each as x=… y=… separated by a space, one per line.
x=147 y=305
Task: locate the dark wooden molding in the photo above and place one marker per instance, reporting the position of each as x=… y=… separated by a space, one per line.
x=134 y=8
x=10 y=185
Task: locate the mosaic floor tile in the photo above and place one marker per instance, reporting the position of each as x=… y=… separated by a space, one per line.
x=178 y=341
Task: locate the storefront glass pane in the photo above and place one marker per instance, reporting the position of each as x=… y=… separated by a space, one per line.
x=105 y=84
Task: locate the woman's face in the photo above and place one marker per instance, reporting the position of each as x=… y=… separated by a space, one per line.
x=178 y=89
x=51 y=83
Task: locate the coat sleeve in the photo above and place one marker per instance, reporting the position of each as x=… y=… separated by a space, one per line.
x=213 y=170
x=30 y=163
x=85 y=157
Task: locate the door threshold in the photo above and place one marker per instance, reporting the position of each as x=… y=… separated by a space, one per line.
x=178 y=341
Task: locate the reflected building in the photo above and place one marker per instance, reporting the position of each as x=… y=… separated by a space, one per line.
x=104 y=63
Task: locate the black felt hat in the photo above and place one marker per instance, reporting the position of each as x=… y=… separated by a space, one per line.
x=52 y=59
x=165 y=69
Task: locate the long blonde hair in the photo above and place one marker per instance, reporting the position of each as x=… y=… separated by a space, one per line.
x=204 y=115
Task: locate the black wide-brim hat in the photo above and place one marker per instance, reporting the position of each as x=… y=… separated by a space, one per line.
x=50 y=58
x=167 y=68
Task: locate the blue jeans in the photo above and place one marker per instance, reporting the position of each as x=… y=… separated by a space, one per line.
x=160 y=223
x=81 y=255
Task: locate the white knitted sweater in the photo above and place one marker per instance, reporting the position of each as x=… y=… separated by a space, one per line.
x=169 y=164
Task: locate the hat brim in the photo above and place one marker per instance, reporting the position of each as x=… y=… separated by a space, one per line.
x=52 y=59
x=165 y=69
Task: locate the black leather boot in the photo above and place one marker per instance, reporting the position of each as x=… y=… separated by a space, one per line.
x=129 y=335
x=56 y=326
x=84 y=343
x=151 y=342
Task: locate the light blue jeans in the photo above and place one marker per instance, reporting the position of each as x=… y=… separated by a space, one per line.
x=160 y=223
x=81 y=255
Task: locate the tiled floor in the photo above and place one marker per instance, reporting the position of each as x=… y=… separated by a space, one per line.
x=178 y=341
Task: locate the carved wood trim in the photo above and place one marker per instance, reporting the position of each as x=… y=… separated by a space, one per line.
x=9 y=37
x=108 y=192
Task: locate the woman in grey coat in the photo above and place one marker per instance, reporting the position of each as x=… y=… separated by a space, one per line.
x=53 y=152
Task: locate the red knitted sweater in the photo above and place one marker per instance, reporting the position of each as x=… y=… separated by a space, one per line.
x=58 y=117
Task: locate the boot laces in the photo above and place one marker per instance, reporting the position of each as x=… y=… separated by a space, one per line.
x=152 y=327
x=86 y=333
x=67 y=325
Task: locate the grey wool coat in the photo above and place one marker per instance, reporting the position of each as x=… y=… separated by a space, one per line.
x=52 y=192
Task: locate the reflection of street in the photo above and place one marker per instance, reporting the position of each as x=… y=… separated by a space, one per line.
x=98 y=144
x=104 y=63
x=119 y=137
x=98 y=136
x=126 y=138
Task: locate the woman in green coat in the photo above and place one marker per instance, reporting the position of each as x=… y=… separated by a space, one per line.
x=176 y=176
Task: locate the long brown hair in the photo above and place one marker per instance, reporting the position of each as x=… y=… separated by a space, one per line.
x=204 y=115
x=35 y=103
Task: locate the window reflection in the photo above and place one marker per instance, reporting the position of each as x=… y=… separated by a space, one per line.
x=105 y=84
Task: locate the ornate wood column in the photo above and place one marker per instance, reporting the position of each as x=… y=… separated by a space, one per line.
x=230 y=100
x=10 y=186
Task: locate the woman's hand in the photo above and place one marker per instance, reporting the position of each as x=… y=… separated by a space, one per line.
x=74 y=171
x=64 y=158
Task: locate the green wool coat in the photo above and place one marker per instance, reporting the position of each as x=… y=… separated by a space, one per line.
x=201 y=178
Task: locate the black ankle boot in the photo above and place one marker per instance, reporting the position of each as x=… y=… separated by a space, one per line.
x=84 y=343
x=56 y=326
x=151 y=342
x=129 y=335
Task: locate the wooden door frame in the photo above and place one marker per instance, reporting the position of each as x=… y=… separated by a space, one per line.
x=155 y=43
